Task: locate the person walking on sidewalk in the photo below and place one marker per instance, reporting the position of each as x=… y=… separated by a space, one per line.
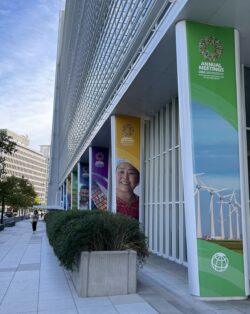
x=34 y=220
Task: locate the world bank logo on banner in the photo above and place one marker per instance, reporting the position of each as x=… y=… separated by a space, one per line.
x=99 y=163
x=210 y=48
x=219 y=262
x=85 y=172
x=127 y=135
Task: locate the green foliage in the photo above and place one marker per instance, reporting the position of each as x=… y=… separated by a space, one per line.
x=7 y=146
x=37 y=200
x=17 y=192
x=71 y=232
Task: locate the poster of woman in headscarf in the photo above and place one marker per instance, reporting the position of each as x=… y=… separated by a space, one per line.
x=126 y=158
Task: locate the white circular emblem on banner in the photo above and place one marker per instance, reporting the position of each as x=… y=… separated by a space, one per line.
x=219 y=262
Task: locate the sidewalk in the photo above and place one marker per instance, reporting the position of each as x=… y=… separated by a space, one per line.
x=32 y=281
x=164 y=285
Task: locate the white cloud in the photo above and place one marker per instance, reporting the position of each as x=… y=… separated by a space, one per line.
x=27 y=67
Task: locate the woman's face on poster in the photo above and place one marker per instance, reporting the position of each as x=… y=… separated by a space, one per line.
x=127 y=177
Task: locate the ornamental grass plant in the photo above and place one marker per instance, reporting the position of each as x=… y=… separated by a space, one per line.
x=71 y=232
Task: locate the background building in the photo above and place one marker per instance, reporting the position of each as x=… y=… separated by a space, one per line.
x=128 y=58
x=45 y=151
x=28 y=163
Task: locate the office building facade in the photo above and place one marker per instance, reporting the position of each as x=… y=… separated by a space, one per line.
x=45 y=151
x=27 y=163
x=182 y=70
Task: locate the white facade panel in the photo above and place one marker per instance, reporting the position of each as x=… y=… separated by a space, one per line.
x=163 y=202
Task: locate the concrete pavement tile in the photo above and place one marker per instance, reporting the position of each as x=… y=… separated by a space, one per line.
x=126 y=299
x=54 y=294
x=26 y=277
x=56 y=304
x=28 y=266
x=224 y=305
x=244 y=308
x=26 y=312
x=160 y=304
x=53 y=286
x=7 y=270
x=92 y=301
x=193 y=311
x=144 y=291
x=18 y=306
x=55 y=277
x=93 y=309
x=4 y=285
x=229 y=311
x=21 y=296
x=5 y=281
x=135 y=308
x=58 y=312
x=13 y=288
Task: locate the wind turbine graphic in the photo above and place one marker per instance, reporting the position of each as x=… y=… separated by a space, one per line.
x=236 y=209
x=198 y=187
x=221 y=215
x=237 y=222
x=230 y=211
x=212 y=191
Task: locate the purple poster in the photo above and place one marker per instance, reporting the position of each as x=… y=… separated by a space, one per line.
x=99 y=177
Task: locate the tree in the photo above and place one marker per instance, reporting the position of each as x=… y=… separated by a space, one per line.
x=17 y=193
x=7 y=146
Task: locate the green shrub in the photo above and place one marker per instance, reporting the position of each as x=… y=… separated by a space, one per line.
x=71 y=232
x=56 y=220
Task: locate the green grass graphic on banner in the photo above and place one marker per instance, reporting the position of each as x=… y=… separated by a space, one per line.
x=221 y=274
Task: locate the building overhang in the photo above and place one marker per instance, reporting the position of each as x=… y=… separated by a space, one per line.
x=155 y=84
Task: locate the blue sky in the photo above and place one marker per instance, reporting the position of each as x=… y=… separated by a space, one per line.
x=28 y=37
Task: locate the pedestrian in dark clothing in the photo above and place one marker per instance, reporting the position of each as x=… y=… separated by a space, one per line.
x=34 y=220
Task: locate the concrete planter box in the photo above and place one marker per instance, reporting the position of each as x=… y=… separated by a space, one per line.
x=105 y=273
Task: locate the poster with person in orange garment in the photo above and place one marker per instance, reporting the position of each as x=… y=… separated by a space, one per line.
x=126 y=164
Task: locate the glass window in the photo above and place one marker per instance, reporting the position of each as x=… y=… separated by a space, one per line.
x=164 y=228
x=184 y=237
x=164 y=170
x=176 y=174
x=170 y=132
x=152 y=223
x=170 y=173
x=163 y=129
x=177 y=216
x=170 y=230
x=176 y=126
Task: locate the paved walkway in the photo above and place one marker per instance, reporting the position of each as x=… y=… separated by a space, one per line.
x=32 y=281
x=164 y=285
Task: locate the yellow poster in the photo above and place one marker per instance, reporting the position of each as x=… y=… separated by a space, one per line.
x=127 y=163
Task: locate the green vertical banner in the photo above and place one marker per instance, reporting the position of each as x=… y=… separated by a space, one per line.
x=207 y=82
